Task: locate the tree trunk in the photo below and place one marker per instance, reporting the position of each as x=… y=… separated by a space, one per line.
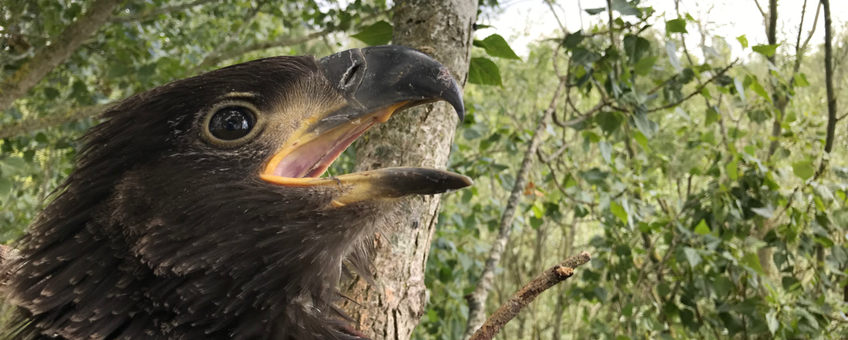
x=419 y=137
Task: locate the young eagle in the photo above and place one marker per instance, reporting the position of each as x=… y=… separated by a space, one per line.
x=196 y=210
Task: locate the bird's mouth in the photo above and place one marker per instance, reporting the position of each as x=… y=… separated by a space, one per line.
x=376 y=82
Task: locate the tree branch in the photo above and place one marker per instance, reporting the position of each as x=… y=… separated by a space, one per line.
x=828 y=72
x=247 y=20
x=51 y=56
x=698 y=89
x=158 y=11
x=215 y=60
x=25 y=126
x=477 y=299
x=528 y=293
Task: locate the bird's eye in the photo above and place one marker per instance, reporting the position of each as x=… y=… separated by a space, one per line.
x=231 y=123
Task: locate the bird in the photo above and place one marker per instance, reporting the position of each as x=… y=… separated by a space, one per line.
x=197 y=210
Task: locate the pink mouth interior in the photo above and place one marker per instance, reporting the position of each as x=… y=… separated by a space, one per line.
x=314 y=157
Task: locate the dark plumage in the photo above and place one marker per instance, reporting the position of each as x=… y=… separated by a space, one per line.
x=165 y=231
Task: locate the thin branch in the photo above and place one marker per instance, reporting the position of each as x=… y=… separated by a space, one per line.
x=248 y=19
x=477 y=299
x=215 y=60
x=51 y=56
x=25 y=126
x=528 y=293
x=697 y=90
x=158 y=11
x=828 y=72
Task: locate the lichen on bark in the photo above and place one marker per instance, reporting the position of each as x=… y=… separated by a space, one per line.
x=418 y=137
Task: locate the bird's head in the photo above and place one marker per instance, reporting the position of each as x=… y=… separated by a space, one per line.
x=205 y=195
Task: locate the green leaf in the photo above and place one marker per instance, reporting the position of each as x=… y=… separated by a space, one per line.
x=13 y=165
x=625 y=8
x=742 y=39
x=801 y=80
x=645 y=125
x=5 y=188
x=676 y=26
x=635 y=47
x=572 y=40
x=702 y=228
x=712 y=116
x=536 y=222
x=594 y=11
x=608 y=121
x=766 y=212
x=755 y=85
x=671 y=49
x=766 y=50
x=642 y=140
x=379 y=33
x=483 y=71
x=732 y=169
x=645 y=65
x=739 y=88
x=804 y=169
x=692 y=256
x=618 y=211
x=496 y=46
x=606 y=150
x=753 y=261
x=771 y=320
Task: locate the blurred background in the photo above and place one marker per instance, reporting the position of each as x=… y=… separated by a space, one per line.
x=684 y=144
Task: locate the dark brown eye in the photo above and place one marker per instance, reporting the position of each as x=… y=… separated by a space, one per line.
x=231 y=123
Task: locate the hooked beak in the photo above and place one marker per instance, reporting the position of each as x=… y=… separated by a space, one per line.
x=376 y=82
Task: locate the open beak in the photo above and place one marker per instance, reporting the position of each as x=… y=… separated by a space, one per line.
x=376 y=82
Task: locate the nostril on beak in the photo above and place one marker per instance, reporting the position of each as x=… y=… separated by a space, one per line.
x=350 y=76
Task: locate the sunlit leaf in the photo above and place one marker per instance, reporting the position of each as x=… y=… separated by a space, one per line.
x=743 y=40
x=483 y=71
x=618 y=211
x=732 y=168
x=378 y=33
x=692 y=256
x=801 y=80
x=644 y=66
x=804 y=169
x=496 y=46
x=671 y=50
x=676 y=26
x=702 y=228
x=766 y=50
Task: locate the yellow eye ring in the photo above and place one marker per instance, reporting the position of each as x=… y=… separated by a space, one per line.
x=231 y=124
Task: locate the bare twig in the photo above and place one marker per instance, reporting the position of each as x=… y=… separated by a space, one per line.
x=158 y=11
x=698 y=89
x=828 y=72
x=25 y=126
x=528 y=293
x=51 y=56
x=235 y=34
x=477 y=299
x=215 y=60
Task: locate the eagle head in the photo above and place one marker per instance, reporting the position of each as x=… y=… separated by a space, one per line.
x=196 y=210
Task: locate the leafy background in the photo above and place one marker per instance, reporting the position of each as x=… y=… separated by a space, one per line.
x=660 y=159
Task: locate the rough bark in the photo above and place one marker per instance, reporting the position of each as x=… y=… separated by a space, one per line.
x=419 y=137
x=56 y=53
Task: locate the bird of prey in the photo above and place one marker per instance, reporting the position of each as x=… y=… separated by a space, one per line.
x=196 y=209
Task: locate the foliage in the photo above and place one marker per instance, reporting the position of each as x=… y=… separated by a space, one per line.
x=696 y=232
x=658 y=163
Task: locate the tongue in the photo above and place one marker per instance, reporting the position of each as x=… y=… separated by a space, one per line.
x=314 y=157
